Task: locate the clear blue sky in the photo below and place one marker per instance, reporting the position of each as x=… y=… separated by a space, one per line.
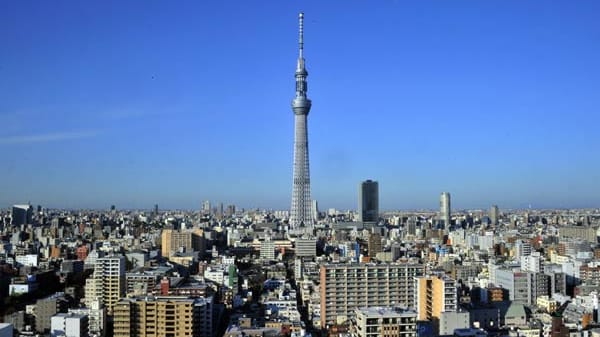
x=134 y=103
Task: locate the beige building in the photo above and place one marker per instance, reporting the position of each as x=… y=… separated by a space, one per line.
x=385 y=322
x=435 y=295
x=547 y=304
x=168 y=316
x=345 y=287
x=189 y=240
x=107 y=282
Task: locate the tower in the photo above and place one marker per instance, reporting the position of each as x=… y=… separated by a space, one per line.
x=368 y=201
x=494 y=215
x=445 y=209
x=301 y=212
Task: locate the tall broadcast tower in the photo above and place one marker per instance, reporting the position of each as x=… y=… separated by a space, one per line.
x=301 y=214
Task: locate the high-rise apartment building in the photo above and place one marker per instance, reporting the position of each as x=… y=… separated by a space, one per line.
x=188 y=240
x=445 y=210
x=385 y=322
x=345 y=287
x=107 y=282
x=435 y=295
x=301 y=211
x=168 y=316
x=368 y=201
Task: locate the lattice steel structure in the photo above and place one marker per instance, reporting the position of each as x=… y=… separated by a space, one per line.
x=301 y=212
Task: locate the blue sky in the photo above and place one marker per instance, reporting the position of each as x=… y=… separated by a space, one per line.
x=134 y=103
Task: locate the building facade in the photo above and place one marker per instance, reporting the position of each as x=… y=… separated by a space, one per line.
x=445 y=210
x=168 y=316
x=434 y=296
x=368 y=201
x=345 y=287
x=107 y=282
x=385 y=322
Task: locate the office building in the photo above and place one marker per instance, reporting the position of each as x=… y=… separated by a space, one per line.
x=171 y=316
x=368 y=201
x=21 y=215
x=345 y=287
x=523 y=287
x=301 y=210
x=435 y=295
x=69 y=325
x=494 y=215
x=445 y=210
x=385 y=322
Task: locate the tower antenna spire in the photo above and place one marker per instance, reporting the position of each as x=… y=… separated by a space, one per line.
x=301 y=34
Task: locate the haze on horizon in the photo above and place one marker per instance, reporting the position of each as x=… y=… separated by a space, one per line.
x=143 y=103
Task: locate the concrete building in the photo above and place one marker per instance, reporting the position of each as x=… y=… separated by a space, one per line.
x=306 y=247
x=96 y=314
x=385 y=322
x=368 y=201
x=453 y=320
x=374 y=245
x=435 y=295
x=69 y=325
x=172 y=316
x=107 y=282
x=46 y=308
x=522 y=248
x=345 y=287
x=523 y=287
x=445 y=210
x=187 y=241
x=267 y=250
x=533 y=262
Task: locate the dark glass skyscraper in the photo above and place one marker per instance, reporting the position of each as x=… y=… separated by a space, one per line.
x=368 y=201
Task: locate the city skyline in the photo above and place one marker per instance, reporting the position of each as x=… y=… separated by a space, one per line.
x=493 y=102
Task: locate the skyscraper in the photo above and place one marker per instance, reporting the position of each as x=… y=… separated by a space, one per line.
x=494 y=215
x=445 y=209
x=301 y=212
x=21 y=215
x=368 y=201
